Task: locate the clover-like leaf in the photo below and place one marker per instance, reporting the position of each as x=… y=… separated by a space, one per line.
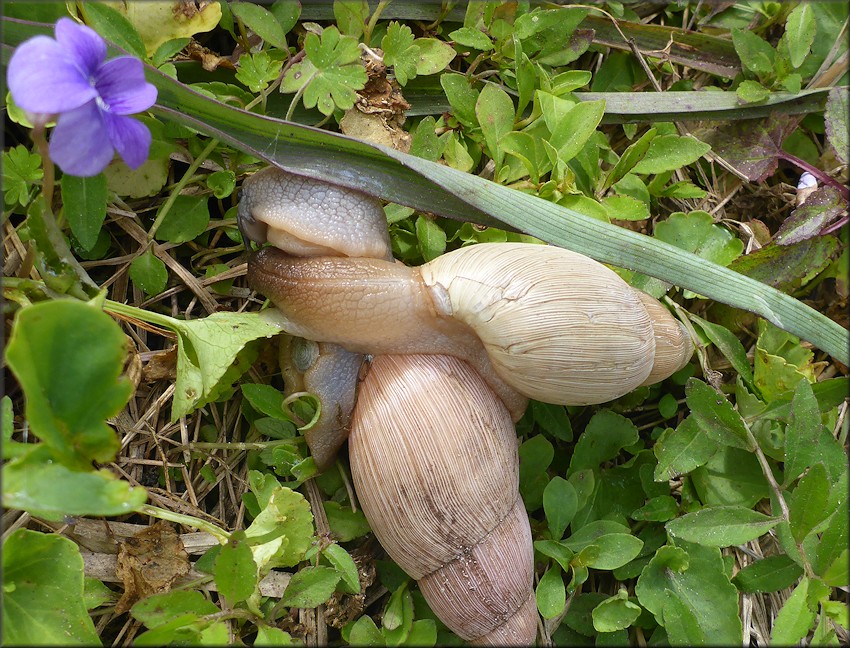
x=21 y=169
x=400 y=51
x=331 y=73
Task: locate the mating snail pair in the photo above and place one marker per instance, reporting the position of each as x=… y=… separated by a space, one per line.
x=459 y=345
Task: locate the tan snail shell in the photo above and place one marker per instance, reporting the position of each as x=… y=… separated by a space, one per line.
x=434 y=461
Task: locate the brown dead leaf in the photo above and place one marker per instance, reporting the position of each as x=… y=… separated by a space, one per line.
x=161 y=366
x=208 y=59
x=149 y=563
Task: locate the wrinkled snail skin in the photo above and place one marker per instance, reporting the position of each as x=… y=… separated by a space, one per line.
x=434 y=460
x=330 y=373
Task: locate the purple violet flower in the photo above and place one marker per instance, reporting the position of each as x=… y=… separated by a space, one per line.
x=69 y=76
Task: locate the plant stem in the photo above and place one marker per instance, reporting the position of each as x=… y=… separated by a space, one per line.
x=179 y=187
x=373 y=20
x=298 y=93
x=49 y=180
x=187 y=520
x=822 y=176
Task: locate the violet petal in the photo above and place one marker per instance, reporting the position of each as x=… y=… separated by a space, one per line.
x=80 y=143
x=122 y=86
x=82 y=43
x=130 y=137
x=43 y=79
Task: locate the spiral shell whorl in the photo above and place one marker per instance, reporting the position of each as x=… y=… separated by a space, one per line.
x=558 y=326
x=446 y=484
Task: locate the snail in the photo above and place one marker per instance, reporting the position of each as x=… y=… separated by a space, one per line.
x=459 y=345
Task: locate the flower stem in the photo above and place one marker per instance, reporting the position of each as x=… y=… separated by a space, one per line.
x=196 y=163
x=297 y=96
x=49 y=180
x=373 y=20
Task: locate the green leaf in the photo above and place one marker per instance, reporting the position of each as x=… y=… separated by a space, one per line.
x=696 y=577
x=800 y=29
x=823 y=207
x=265 y=399
x=592 y=531
x=345 y=565
x=681 y=450
x=535 y=455
x=434 y=55
x=625 y=208
x=807 y=506
x=114 y=26
x=657 y=509
x=222 y=183
x=400 y=52
x=670 y=152
x=560 y=503
x=833 y=543
x=332 y=72
x=471 y=37
x=235 y=571
x=721 y=526
x=288 y=517
x=732 y=477
x=187 y=218
x=261 y=21
x=21 y=170
x=398 y=616
x=350 y=16
x=345 y=524
x=431 y=238
x=160 y=609
x=795 y=619
x=836 y=119
x=575 y=128
x=84 y=201
x=68 y=357
x=169 y=49
x=715 y=415
x=752 y=92
x=37 y=483
x=615 y=550
x=606 y=434
x=756 y=54
x=268 y=635
x=96 y=593
x=682 y=626
x=364 y=632
x=631 y=156
x=697 y=233
x=553 y=419
x=555 y=550
x=615 y=613
x=730 y=346
x=257 y=70
x=495 y=112
x=149 y=273
x=550 y=593
x=769 y=574
x=43 y=592
x=310 y=586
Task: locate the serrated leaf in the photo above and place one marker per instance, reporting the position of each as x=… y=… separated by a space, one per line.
x=400 y=52
x=257 y=70
x=149 y=273
x=795 y=619
x=342 y=561
x=288 y=517
x=721 y=526
x=807 y=504
x=800 y=29
x=756 y=54
x=697 y=233
x=716 y=416
x=20 y=170
x=836 y=118
x=698 y=579
x=730 y=346
x=43 y=591
x=670 y=152
x=261 y=21
x=332 y=72
x=769 y=574
x=625 y=208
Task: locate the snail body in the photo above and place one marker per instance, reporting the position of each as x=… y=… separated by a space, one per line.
x=459 y=345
